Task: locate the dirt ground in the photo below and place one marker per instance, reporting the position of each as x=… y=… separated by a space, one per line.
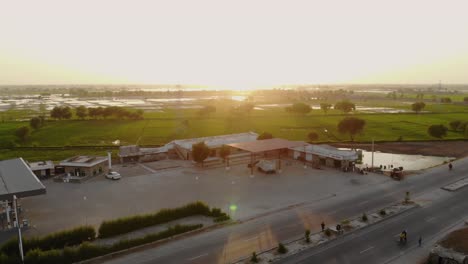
x=458 y=149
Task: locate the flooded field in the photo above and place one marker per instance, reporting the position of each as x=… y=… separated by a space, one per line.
x=408 y=162
x=36 y=102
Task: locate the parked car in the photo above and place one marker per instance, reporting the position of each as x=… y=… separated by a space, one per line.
x=113 y=175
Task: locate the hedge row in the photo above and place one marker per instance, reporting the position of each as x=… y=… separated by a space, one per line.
x=57 y=240
x=128 y=224
x=87 y=251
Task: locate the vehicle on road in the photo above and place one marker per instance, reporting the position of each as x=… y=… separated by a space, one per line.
x=113 y=175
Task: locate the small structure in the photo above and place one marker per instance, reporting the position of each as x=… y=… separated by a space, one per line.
x=43 y=169
x=325 y=155
x=134 y=153
x=82 y=166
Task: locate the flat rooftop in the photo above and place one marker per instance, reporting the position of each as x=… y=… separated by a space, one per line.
x=17 y=178
x=267 y=145
x=83 y=161
x=41 y=165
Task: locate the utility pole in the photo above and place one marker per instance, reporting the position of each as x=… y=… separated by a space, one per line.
x=372 y=164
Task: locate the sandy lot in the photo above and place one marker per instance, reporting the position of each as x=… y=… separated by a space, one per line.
x=458 y=149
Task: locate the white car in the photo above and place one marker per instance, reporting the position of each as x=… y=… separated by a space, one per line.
x=113 y=175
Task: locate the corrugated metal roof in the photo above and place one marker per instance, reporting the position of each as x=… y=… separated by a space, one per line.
x=216 y=141
x=267 y=145
x=16 y=178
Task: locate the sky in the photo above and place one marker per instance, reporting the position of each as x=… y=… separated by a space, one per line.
x=239 y=44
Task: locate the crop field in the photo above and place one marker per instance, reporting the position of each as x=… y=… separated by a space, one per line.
x=160 y=127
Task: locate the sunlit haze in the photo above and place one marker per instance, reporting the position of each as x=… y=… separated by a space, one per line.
x=233 y=44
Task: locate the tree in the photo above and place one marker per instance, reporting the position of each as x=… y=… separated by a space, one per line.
x=61 y=112
x=313 y=136
x=345 y=106
x=437 y=131
x=206 y=110
x=56 y=113
x=224 y=151
x=299 y=108
x=455 y=125
x=351 y=126
x=22 y=133
x=265 y=135
x=81 y=112
x=445 y=100
x=465 y=99
x=325 y=107
x=36 y=122
x=200 y=152
x=418 y=106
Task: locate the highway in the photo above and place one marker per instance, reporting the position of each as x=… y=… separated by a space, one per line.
x=378 y=244
x=231 y=243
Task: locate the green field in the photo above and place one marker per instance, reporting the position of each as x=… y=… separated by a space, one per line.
x=161 y=127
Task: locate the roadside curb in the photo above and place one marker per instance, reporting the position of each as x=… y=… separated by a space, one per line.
x=112 y=255
x=325 y=243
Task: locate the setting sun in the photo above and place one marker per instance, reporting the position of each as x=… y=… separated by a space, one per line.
x=238 y=45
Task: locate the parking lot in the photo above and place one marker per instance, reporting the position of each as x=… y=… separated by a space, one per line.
x=148 y=187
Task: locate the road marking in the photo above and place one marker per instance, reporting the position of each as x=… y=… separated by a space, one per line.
x=366 y=250
x=202 y=255
x=252 y=238
x=430 y=219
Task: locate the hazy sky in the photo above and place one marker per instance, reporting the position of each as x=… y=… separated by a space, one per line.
x=235 y=44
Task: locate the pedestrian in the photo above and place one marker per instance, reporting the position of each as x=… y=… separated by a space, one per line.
x=420 y=241
x=323 y=226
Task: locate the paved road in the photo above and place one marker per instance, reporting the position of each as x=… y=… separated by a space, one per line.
x=231 y=243
x=378 y=243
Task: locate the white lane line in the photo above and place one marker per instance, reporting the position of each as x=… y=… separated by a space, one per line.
x=430 y=219
x=252 y=238
x=366 y=250
x=202 y=255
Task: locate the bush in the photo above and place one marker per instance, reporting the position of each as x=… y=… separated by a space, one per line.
x=222 y=218
x=345 y=222
x=307 y=235
x=383 y=212
x=364 y=217
x=328 y=232
x=57 y=240
x=254 y=258
x=282 y=249
x=128 y=224
x=87 y=251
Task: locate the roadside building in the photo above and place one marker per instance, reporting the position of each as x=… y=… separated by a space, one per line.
x=16 y=181
x=183 y=147
x=85 y=165
x=134 y=153
x=43 y=169
x=325 y=155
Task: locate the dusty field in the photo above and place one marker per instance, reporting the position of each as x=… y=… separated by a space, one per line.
x=457 y=240
x=458 y=149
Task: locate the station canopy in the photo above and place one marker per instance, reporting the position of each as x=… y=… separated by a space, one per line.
x=16 y=178
x=267 y=145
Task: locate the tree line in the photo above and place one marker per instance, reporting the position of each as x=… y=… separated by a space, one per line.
x=65 y=112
